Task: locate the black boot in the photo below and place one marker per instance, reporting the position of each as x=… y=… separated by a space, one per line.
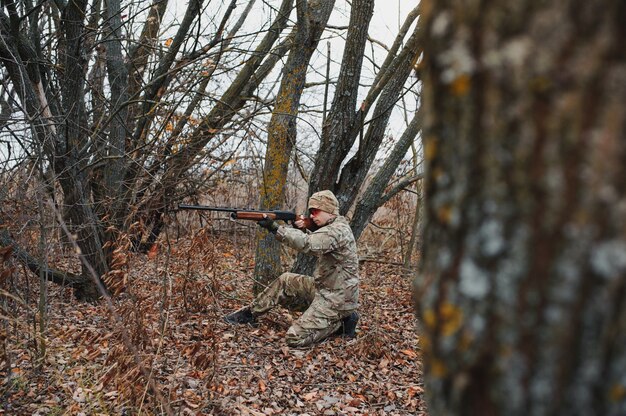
x=348 y=326
x=242 y=316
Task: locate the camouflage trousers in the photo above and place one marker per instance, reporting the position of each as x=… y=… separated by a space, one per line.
x=297 y=292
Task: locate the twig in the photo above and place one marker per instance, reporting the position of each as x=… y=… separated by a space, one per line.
x=371 y=260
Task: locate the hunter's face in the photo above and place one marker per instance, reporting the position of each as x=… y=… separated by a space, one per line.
x=319 y=217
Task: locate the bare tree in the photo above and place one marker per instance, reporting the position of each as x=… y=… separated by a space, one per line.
x=334 y=168
x=521 y=294
x=102 y=106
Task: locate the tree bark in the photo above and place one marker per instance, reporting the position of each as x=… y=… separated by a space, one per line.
x=522 y=291
x=111 y=203
x=371 y=199
x=355 y=171
x=342 y=116
x=69 y=159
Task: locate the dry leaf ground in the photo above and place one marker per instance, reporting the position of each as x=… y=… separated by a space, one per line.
x=163 y=347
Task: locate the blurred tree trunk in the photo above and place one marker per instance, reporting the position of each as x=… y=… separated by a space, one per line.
x=312 y=20
x=522 y=290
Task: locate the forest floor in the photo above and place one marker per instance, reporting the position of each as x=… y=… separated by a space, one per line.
x=161 y=347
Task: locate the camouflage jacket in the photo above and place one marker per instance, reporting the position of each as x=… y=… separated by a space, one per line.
x=337 y=273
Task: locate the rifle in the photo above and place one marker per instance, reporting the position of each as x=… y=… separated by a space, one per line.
x=257 y=215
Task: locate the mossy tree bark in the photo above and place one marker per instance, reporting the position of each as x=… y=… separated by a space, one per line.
x=522 y=291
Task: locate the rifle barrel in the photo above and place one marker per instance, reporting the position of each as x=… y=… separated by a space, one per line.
x=240 y=213
x=255 y=214
x=207 y=208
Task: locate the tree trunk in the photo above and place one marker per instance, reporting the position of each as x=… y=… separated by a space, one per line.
x=371 y=199
x=312 y=21
x=115 y=168
x=342 y=117
x=522 y=290
x=353 y=174
x=69 y=161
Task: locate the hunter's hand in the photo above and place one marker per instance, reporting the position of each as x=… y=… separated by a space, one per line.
x=269 y=225
x=299 y=224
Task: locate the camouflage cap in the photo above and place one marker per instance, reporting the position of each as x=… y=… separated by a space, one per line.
x=326 y=201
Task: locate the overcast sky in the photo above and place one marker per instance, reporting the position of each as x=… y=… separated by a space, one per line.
x=389 y=16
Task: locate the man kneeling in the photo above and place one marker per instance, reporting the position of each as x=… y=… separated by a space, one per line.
x=329 y=297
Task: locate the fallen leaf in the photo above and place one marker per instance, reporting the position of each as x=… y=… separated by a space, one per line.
x=409 y=353
x=154 y=250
